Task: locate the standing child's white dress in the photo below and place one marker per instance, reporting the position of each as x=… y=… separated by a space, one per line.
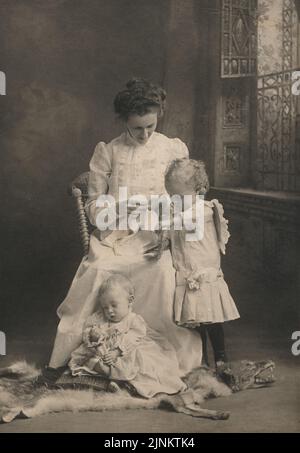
x=202 y=295
x=143 y=362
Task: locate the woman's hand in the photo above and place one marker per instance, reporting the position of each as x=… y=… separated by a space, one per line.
x=156 y=252
x=122 y=207
x=110 y=357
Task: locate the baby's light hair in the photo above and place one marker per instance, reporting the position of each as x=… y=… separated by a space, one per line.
x=116 y=280
x=199 y=177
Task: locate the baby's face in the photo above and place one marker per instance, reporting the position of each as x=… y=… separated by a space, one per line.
x=115 y=303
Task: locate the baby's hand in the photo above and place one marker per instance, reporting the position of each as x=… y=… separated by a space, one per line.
x=110 y=357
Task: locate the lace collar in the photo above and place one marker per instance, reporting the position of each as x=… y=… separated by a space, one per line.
x=131 y=141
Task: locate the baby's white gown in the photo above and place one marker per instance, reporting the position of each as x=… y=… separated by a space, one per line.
x=140 y=168
x=143 y=362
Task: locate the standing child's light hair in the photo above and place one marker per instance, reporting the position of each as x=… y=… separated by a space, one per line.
x=191 y=171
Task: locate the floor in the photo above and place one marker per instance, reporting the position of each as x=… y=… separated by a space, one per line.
x=268 y=336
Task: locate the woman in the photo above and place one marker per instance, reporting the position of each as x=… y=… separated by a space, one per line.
x=137 y=160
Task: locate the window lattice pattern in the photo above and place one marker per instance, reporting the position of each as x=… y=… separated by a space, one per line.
x=277 y=162
x=287 y=35
x=278 y=158
x=239 y=38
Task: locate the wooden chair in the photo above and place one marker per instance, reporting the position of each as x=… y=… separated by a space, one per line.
x=79 y=191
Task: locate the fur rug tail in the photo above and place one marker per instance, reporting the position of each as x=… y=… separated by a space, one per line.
x=21 y=370
x=13 y=414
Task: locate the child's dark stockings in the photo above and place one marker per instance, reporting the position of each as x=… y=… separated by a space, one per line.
x=216 y=336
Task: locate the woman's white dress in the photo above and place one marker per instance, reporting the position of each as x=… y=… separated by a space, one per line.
x=140 y=168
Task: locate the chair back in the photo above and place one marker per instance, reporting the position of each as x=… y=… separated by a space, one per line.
x=79 y=191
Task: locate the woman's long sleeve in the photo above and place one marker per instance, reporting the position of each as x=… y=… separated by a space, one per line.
x=100 y=171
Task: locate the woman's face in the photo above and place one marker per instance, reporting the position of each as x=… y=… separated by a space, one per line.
x=142 y=127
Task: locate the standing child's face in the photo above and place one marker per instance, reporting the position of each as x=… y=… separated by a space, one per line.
x=115 y=303
x=180 y=183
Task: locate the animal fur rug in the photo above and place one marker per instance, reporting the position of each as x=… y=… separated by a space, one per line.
x=20 y=397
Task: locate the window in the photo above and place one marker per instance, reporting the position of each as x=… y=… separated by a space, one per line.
x=239 y=43
x=276 y=165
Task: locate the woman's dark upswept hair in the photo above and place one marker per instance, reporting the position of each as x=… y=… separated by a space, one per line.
x=138 y=98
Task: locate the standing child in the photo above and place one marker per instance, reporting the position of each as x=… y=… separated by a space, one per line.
x=116 y=344
x=202 y=298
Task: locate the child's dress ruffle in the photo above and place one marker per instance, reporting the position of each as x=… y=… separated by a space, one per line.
x=221 y=225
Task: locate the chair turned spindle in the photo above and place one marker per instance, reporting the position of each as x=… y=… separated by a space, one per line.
x=79 y=190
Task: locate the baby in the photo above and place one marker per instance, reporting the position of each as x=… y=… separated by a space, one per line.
x=202 y=297
x=116 y=345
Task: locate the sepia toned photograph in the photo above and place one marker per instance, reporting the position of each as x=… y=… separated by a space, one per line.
x=150 y=227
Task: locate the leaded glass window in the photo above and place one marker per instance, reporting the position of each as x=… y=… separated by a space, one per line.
x=239 y=38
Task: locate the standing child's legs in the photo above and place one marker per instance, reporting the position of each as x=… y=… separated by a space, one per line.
x=216 y=336
x=202 y=330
